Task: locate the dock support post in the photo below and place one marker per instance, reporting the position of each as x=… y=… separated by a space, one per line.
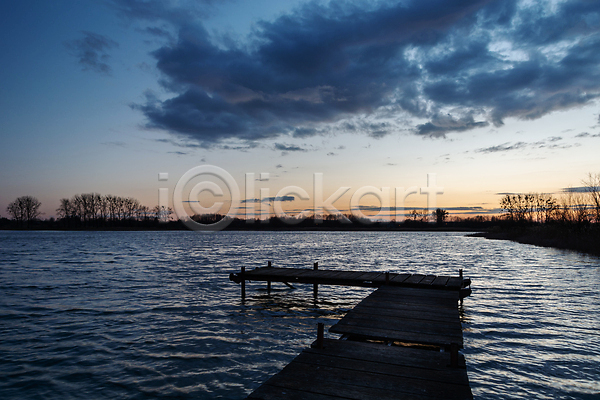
x=460 y=275
x=268 y=282
x=243 y=276
x=387 y=278
x=320 y=335
x=316 y=285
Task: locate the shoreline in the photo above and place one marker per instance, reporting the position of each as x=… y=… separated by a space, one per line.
x=260 y=229
x=562 y=239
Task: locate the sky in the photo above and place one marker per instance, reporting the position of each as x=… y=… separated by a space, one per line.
x=314 y=98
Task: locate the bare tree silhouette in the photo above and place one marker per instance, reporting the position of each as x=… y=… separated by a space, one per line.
x=24 y=210
x=440 y=216
x=592 y=184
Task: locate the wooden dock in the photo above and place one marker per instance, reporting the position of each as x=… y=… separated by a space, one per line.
x=345 y=369
x=400 y=342
x=318 y=276
x=407 y=315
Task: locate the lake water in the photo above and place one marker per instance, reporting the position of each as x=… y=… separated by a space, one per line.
x=135 y=315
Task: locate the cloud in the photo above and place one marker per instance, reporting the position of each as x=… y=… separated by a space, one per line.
x=502 y=148
x=440 y=125
x=92 y=51
x=476 y=210
x=116 y=143
x=270 y=199
x=578 y=189
x=552 y=142
x=158 y=32
x=587 y=135
x=452 y=65
x=287 y=148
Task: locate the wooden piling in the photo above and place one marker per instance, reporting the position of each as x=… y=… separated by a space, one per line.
x=243 y=282
x=320 y=335
x=387 y=278
x=462 y=282
x=316 y=285
x=269 y=282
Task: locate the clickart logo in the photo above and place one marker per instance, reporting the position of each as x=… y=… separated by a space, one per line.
x=194 y=183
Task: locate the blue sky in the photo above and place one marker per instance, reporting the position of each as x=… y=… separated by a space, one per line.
x=491 y=96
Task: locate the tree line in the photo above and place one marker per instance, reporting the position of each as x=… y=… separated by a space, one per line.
x=91 y=209
x=88 y=210
x=579 y=207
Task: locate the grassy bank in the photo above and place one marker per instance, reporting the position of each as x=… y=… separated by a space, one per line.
x=584 y=239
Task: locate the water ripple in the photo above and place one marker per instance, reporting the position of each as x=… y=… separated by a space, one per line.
x=137 y=315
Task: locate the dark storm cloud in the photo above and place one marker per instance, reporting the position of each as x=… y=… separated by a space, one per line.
x=453 y=65
x=440 y=125
x=286 y=147
x=92 y=51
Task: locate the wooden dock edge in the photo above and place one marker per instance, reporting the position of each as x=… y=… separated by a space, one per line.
x=317 y=277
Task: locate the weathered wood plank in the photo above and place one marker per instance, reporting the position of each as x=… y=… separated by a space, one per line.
x=392 y=313
x=455 y=282
x=413 y=333
x=451 y=302
x=414 y=279
x=369 y=276
x=349 y=278
x=393 y=355
x=445 y=375
x=362 y=384
x=429 y=321
x=323 y=274
x=398 y=311
x=428 y=292
x=395 y=335
x=409 y=312
x=440 y=281
x=270 y=392
x=270 y=271
x=430 y=306
x=326 y=391
x=428 y=279
x=398 y=279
